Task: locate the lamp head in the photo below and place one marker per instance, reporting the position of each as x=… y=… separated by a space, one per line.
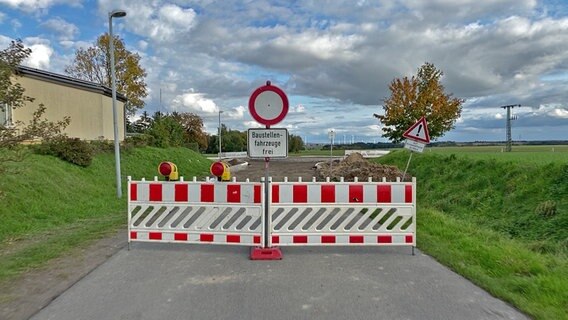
x=117 y=13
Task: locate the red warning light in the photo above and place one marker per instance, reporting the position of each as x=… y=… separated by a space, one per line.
x=165 y=168
x=217 y=169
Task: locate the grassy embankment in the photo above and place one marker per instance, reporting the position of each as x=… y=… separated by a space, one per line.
x=501 y=220
x=51 y=207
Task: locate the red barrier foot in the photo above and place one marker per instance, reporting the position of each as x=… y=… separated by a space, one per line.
x=259 y=253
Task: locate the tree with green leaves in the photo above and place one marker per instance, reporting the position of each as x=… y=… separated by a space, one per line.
x=12 y=93
x=193 y=127
x=295 y=143
x=93 y=64
x=420 y=95
x=12 y=96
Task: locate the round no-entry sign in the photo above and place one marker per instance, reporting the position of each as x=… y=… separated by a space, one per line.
x=268 y=104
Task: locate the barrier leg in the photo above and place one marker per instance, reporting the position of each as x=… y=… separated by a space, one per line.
x=267 y=252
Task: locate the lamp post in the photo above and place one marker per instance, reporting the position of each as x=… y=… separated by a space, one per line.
x=220 y=134
x=115 y=14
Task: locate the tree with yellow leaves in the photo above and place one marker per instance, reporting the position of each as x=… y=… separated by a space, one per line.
x=420 y=95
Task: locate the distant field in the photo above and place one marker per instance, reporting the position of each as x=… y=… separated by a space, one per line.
x=533 y=154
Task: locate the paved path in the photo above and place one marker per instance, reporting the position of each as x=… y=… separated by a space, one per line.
x=165 y=281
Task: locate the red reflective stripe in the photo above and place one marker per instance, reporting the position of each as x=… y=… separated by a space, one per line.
x=181 y=192
x=384 y=193
x=155 y=192
x=234 y=193
x=408 y=239
x=155 y=235
x=256 y=194
x=356 y=239
x=300 y=239
x=327 y=239
x=133 y=192
x=207 y=193
x=408 y=193
x=356 y=193
x=275 y=239
x=256 y=239
x=133 y=235
x=300 y=193
x=206 y=237
x=233 y=238
x=327 y=193
x=275 y=193
x=180 y=236
x=384 y=239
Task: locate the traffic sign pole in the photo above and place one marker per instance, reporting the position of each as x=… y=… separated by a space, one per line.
x=268 y=105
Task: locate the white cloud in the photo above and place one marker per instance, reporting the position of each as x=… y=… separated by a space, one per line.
x=194 y=102
x=560 y=113
x=16 y=24
x=158 y=21
x=142 y=45
x=65 y=30
x=40 y=56
x=37 y=6
x=299 y=109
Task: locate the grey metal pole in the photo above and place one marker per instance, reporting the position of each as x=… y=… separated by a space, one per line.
x=220 y=134
x=118 y=14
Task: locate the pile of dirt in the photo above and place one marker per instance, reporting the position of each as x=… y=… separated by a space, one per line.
x=355 y=165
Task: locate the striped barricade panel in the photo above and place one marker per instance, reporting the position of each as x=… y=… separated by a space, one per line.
x=195 y=212
x=343 y=213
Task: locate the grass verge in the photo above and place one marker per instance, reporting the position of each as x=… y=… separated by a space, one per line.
x=535 y=283
x=484 y=219
x=50 y=206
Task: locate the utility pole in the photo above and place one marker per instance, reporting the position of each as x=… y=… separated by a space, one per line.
x=509 y=118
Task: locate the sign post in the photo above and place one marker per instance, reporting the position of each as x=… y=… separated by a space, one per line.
x=331 y=138
x=417 y=137
x=268 y=105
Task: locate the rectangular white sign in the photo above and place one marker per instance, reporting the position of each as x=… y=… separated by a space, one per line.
x=414 y=145
x=267 y=143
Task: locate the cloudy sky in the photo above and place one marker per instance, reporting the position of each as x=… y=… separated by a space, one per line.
x=333 y=58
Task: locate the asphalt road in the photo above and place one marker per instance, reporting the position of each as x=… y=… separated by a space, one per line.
x=159 y=281
x=175 y=281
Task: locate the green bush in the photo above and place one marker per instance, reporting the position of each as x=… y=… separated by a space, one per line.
x=167 y=132
x=72 y=150
x=193 y=146
x=138 y=140
x=102 y=146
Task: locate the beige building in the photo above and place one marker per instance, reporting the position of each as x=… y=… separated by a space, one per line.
x=89 y=105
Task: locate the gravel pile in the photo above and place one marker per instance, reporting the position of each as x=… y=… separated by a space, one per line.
x=355 y=165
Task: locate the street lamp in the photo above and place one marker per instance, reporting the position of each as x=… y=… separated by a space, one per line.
x=220 y=134
x=115 y=14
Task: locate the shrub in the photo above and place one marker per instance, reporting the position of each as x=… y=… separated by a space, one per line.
x=138 y=140
x=192 y=146
x=72 y=150
x=102 y=146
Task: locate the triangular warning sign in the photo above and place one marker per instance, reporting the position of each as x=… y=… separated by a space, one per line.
x=418 y=131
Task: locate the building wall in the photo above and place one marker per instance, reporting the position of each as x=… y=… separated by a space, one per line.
x=90 y=112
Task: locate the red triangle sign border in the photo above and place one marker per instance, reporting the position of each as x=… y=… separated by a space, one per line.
x=422 y=121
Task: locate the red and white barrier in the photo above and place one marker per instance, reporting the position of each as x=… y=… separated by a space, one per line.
x=194 y=192
x=302 y=193
x=301 y=213
x=343 y=213
x=196 y=212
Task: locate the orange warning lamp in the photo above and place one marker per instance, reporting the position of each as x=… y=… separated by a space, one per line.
x=169 y=170
x=220 y=170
